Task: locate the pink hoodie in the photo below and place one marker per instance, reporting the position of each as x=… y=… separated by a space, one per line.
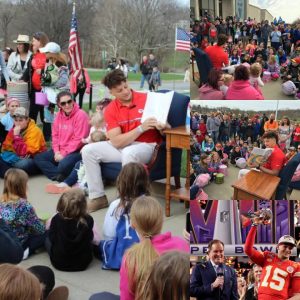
x=162 y=243
x=243 y=90
x=67 y=131
x=206 y=92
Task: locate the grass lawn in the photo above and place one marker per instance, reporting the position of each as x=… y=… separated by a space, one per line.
x=97 y=75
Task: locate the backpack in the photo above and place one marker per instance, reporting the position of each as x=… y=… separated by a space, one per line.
x=241 y=163
x=112 y=251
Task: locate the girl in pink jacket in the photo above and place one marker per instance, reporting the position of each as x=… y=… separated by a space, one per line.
x=147 y=219
x=241 y=89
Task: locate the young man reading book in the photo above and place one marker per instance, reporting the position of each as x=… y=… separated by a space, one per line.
x=129 y=139
x=275 y=161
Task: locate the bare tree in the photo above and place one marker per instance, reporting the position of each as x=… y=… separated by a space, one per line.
x=7 y=15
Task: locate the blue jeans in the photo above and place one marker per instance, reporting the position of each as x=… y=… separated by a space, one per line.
x=46 y=163
x=73 y=177
x=26 y=164
x=143 y=78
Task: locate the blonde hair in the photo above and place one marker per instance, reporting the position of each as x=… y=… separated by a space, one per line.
x=227 y=78
x=147 y=218
x=15 y=185
x=168 y=278
x=18 y=284
x=72 y=205
x=97 y=119
x=255 y=70
x=272 y=59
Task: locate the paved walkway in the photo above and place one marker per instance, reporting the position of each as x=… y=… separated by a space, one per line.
x=83 y=284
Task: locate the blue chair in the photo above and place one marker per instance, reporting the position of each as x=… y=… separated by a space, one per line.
x=203 y=63
x=286 y=175
x=157 y=165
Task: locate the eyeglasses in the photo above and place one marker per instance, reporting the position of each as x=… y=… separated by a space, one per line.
x=66 y=102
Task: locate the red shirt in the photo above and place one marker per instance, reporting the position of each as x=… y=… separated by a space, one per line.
x=129 y=117
x=217 y=56
x=278 y=277
x=297 y=134
x=276 y=160
x=38 y=62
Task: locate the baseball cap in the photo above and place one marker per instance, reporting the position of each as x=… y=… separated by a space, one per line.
x=21 y=112
x=287 y=239
x=51 y=47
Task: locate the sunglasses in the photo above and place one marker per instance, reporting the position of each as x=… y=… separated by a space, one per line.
x=66 y=102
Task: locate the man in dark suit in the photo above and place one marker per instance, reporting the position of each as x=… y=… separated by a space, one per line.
x=213 y=280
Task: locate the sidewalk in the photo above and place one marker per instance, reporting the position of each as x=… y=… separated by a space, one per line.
x=83 y=284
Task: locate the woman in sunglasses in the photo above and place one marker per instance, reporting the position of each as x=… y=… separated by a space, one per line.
x=70 y=126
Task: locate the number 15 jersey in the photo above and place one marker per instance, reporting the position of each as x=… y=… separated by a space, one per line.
x=279 y=279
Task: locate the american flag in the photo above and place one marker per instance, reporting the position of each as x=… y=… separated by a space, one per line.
x=74 y=48
x=182 y=40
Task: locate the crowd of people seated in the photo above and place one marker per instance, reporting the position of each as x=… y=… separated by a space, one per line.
x=226 y=44
x=220 y=140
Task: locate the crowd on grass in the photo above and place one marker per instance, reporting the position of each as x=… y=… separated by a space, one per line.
x=236 y=58
x=222 y=140
x=131 y=240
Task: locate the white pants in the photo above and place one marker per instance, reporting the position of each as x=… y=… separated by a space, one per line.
x=243 y=172
x=95 y=153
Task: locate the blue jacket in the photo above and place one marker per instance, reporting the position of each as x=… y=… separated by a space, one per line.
x=204 y=275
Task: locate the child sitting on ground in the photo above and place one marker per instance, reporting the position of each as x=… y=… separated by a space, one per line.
x=255 y=73
x=97 y=131
x=147 y=219
x=215 y=162
x=70 y=236
x=227 y=81
x=236 y=153
x=7 y=121
x=18 y=213
x=273 y=67
x=132 y=182
x=234 y=58
x=208 y=145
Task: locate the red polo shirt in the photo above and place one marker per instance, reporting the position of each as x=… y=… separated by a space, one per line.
x=276 y=160
x=129 y=117
x=217 y=56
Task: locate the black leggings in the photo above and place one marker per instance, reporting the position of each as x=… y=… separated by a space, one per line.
x=81 y=94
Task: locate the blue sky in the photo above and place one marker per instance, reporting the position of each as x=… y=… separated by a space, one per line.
x=288 y=10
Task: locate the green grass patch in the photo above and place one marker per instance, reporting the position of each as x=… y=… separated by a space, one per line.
x=182 y=60
x=97 y=75
x=183 y=165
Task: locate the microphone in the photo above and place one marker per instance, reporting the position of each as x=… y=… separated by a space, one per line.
x=220 y=270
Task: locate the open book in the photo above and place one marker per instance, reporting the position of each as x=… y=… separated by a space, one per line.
x=259 y=156
x=157 y=106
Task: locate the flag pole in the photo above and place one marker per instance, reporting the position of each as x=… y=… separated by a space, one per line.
x=174 y=56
